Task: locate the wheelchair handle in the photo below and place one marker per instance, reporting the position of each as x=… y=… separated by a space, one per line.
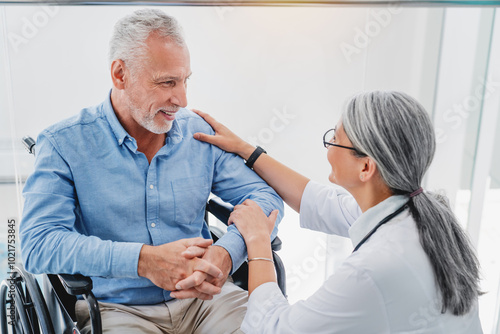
x=29 y=144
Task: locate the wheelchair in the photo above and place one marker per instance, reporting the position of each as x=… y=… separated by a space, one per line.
x=25 y=309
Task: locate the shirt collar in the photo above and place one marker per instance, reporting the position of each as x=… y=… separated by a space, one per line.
x=371 y=217
x=174 y=136
x=113 y=121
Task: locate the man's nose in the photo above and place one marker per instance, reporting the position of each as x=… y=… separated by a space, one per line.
x=179 y=95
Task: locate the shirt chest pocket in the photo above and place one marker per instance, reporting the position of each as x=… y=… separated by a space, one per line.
x=190 y=198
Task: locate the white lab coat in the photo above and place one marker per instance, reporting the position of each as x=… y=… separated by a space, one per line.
x=387 y=286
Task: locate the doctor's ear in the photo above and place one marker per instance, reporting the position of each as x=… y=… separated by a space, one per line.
x=118 y=73
x=368 y=169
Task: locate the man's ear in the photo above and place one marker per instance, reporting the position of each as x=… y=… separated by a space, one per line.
x=118 y=73
x=368 y=169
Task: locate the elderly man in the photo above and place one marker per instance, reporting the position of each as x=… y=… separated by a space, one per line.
x=119 y=191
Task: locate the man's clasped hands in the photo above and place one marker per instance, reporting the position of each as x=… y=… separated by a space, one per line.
x=192 y=267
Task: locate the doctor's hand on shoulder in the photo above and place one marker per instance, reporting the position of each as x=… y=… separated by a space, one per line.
x=223 y=138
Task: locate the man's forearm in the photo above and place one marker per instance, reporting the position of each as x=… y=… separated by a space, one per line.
x=72 y=253
x=234 y=244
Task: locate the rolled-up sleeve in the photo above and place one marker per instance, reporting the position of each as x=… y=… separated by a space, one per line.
x=234 y=182
x=328 y=209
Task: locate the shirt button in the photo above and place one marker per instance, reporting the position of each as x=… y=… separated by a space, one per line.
x=153 y=225
x=151 y=186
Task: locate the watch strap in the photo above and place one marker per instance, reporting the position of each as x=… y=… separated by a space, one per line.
x=254 y=156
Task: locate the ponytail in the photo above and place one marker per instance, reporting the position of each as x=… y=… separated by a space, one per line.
x=455 y=265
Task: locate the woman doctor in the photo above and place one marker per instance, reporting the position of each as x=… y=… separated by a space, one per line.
x=412 y=269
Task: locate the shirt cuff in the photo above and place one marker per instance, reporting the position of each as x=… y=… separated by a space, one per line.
x=263 y=303
x=125 y=259
x=234 y=243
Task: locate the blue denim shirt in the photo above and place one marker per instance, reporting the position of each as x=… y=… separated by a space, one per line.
x=94 y=200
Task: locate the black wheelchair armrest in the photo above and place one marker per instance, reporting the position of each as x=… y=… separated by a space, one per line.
x=63 y=289
x=76 y=284
x=220 y=209
x=276 y=244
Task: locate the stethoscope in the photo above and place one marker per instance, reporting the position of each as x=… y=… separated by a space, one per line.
x=382 y=222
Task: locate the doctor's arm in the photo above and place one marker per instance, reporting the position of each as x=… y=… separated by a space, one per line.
x=288 y=184
x=326 y=208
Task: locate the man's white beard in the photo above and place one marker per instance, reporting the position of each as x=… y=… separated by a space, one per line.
x=149 y=123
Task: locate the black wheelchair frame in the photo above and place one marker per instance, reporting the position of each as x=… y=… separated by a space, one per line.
x=29 y=311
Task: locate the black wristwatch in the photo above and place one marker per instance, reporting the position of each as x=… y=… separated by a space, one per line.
x=254 y=156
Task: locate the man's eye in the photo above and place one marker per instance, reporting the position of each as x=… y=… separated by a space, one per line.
x=169 y=83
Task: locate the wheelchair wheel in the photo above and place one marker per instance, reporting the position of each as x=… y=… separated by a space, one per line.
x=23 y=309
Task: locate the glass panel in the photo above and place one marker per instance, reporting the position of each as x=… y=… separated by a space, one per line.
x=489 y=247
x=463 y=65
x=486 y=187
x=470 y=108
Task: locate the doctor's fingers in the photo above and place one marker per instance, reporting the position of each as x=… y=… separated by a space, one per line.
x=271 y=220
x=245 y=211
x=251 y=203
x=236 y=216
x=209 y=119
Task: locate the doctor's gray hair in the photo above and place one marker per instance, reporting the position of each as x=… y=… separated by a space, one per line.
x=128 y=41
x=395 y=131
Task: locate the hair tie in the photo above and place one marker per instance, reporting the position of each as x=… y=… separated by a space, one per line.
x=416 y=192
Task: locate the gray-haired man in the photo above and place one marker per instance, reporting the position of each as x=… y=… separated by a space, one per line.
x=119 y=191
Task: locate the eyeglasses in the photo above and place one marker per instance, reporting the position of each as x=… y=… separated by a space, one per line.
x=330 y=135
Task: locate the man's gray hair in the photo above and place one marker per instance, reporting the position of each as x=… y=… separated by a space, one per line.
x=128 y=42
x=395 y=131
